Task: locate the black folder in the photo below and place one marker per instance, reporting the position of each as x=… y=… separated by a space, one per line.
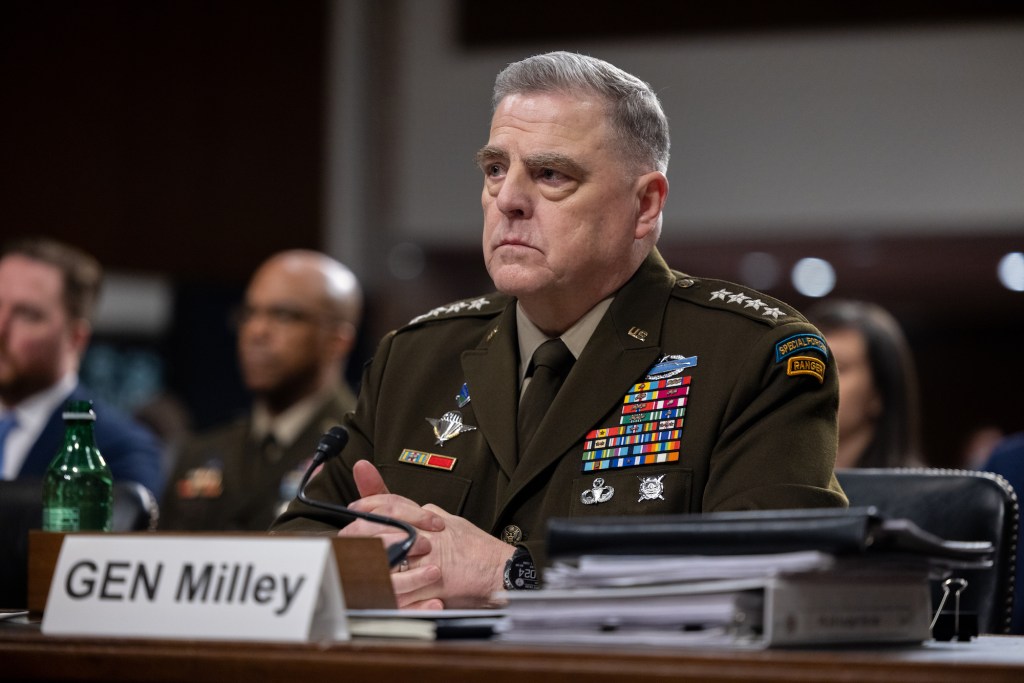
x=839 y=531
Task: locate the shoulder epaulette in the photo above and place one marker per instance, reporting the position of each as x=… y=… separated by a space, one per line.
x=481 y=306
x=728 y=296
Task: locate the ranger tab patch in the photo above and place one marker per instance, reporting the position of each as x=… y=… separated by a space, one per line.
x=806 y=365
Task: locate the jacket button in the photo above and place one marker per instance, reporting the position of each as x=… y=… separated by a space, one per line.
x=686 y=282
x=511 y=534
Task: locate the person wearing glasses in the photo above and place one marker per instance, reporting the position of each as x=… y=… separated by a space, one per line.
x=296 y=329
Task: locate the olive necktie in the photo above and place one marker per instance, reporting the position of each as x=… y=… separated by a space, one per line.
x=549 y=366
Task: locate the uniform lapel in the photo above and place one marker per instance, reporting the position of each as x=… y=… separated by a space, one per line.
x=491 y=372
x=625 y=344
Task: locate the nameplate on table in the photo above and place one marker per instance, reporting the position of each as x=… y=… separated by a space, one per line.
x=270 y=588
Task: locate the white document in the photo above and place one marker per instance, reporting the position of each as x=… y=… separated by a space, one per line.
x=634 y=570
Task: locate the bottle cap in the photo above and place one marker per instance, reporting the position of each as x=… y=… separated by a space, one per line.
x=79 y=410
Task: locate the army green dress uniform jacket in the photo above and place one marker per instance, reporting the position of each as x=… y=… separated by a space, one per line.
x=755 y=427
x=225 y=481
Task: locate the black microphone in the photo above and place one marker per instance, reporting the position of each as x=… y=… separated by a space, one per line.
x=330 y=445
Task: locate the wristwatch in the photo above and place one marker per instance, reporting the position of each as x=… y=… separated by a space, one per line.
x=520 y=572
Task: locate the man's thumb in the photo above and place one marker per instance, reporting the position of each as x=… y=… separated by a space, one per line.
x=368 y=479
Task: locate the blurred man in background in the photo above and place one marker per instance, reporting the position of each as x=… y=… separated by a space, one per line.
x=48 y=291
x=295 y=332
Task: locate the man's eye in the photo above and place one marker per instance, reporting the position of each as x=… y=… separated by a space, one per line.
x=493 y=170
x=286 y=315
x=29 y=315
x=551 y=174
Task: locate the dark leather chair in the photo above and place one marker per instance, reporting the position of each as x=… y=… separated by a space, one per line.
x=21 y=509
x=957 y=505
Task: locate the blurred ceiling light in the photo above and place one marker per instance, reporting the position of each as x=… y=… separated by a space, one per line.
x=1011 y=271
x=813 y=277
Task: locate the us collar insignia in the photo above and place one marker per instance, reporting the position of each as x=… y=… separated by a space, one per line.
x=462 y=398
x=636 y=333
x=670 y=366
x=448 y=426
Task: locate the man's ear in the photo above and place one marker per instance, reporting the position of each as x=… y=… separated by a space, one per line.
x=651 y=193
x=80 y=333
x=343 y=338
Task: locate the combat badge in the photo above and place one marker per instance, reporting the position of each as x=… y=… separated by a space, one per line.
x=448 y=426
x=651 y=488
x=598 y=493
x=670 y=366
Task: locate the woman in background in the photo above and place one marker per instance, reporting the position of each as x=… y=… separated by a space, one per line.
x=879 y=415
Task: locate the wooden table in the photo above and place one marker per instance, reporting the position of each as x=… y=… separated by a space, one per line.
x=28 y=655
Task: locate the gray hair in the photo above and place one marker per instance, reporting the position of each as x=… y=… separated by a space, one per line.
x=633 y=108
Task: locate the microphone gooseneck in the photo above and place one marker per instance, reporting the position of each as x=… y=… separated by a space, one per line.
x=330 y=445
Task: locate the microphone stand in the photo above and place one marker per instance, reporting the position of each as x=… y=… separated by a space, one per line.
x=329 y=446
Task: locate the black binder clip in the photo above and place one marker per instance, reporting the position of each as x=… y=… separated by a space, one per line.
x=947 y=625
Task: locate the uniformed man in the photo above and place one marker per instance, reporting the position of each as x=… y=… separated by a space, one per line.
x=681 y=394
x=296 y=329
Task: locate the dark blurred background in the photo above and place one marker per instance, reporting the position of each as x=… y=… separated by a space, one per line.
x=182 y=142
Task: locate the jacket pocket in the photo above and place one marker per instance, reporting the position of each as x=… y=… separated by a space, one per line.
x=443 y=489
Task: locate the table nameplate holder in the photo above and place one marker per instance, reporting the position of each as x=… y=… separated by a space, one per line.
x=205 y=586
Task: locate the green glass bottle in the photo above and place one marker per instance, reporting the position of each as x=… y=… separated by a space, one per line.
x=78 y=487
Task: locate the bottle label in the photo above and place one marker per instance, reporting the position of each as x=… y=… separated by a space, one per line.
x=61 y=519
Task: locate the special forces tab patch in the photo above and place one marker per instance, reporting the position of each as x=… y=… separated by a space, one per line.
x=799 y=343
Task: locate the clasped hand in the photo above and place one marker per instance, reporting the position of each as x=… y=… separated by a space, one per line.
x=452 y=564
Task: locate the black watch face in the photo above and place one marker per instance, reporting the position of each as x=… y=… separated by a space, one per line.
x=522 y=574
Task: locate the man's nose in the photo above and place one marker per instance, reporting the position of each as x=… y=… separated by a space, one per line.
x=514 y=197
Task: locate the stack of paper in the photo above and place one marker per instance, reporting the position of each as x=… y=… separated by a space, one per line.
x=755 y=578
x=798 y=598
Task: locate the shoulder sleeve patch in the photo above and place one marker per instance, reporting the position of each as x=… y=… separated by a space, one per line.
x=800 y=343
x=806 y=365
